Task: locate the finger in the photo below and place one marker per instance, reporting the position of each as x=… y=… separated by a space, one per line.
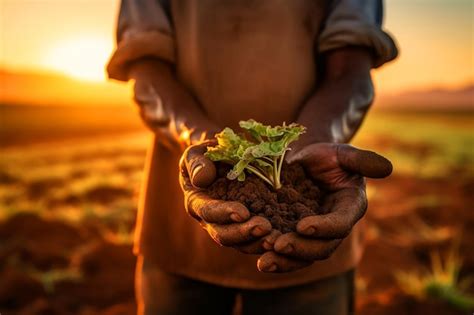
x=273 y=262
x=270 y=239
x=252 y=247
x=238 y=233
x=200 y=170
x=347 y=206
x=261 y=245
x=296 y=246
x=201 y=206
x=365 y=163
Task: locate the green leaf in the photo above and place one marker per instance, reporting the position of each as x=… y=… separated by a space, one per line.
x=218 y=155
x=258 y=130
x=238 y=169
x=230 y=147
x=260 y=154
x=241 y=177
x=262 y=164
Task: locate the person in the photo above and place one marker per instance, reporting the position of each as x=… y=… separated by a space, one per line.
x=199 y=66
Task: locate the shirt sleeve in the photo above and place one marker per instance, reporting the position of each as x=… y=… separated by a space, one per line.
x=358 y=23
x=144 y=30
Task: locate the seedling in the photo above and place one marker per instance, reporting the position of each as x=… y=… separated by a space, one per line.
x=442 y=282
x=50 y=278
x=261 y=153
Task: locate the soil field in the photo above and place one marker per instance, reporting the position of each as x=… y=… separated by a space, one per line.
x=67 y=212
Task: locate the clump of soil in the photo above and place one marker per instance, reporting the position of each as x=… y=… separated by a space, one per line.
x=298 y=197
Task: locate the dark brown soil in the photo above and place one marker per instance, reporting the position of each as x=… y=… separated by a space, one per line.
x=298 y=198
x=28 y=242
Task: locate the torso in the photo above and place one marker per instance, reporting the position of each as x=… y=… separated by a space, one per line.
x=248 y=58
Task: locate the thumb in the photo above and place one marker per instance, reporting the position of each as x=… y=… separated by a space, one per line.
x=201 y=170
x=365 y=163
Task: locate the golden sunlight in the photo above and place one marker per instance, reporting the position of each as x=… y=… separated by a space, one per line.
x=81 y=58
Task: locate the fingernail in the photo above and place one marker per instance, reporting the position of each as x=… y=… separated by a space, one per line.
x=236 y=218
x=287 y=249
x=257 y=231
x=272 y=268
x=197 y=169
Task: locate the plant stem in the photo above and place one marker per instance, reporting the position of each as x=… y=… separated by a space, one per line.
x=276 y=174
x=280 y=165
x=455 y=298
x=259 y=174
x=277 y=170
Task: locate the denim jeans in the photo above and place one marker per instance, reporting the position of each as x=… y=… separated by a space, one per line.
x=162 y=293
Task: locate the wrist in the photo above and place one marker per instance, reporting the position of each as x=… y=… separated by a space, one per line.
x=181 y=135
x=336 y=110
x=204 y=131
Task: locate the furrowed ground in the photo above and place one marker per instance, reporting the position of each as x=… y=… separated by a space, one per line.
x=68 y=207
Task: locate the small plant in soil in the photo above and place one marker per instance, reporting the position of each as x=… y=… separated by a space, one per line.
x=251 y=169
x=262 y=155
x=441 y=283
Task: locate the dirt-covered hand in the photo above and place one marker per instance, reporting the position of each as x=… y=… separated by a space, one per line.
x=340 y=169
x=227 y=222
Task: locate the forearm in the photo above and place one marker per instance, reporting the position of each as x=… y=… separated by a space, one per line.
x=176 y=114
x=338 y=106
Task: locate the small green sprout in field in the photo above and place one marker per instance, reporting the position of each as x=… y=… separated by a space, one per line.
x=441 y=283
x=261 y=154
x=50 y=278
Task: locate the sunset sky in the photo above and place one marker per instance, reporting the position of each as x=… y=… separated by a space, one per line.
x=76 y=37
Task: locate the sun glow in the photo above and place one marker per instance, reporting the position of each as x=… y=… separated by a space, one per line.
x=80 y=58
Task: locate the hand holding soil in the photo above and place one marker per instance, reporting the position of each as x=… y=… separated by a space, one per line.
x=297 y=213
x=229 y=223
x=339 y=169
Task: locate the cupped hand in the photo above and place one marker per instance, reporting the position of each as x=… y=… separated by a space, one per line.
x=340 y=169
x=228 y=222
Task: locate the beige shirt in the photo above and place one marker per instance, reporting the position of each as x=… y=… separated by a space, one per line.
x=240 y=59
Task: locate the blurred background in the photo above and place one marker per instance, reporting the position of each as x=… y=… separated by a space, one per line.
x=73 y=147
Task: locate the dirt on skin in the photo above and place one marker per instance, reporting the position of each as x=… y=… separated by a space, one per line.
x=298 y=197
